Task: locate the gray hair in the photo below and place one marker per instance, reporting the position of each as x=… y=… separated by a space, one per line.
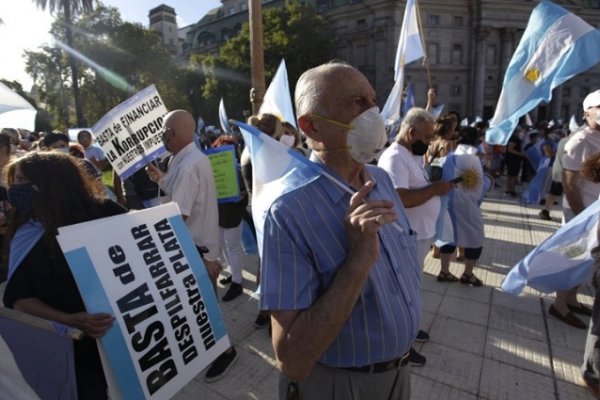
x=415 y=117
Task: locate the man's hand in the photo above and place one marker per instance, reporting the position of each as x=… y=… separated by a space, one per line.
x=154 y=173
x=363 y=221
x=442 y=188
x=213 y=267
x=93 y=325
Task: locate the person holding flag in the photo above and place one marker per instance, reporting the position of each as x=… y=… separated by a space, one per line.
x=579 y=193
x=340 y=273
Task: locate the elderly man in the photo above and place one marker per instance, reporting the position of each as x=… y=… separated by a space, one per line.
x=579 y=193
x=403 y=161
x=339 y=272
x=189 y=182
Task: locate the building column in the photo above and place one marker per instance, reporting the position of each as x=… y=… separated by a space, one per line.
x=479 y=77
x=507 y=48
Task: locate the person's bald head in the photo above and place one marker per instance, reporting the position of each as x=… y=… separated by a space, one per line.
x=178 y=130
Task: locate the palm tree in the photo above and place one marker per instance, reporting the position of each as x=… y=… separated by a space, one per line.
x=70 y=9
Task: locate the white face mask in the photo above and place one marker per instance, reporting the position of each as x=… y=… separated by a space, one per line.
x=288 y=140
x=64 y=150
x=367 y=136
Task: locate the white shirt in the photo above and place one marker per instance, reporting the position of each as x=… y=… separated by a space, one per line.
x=407 y=173
x=189 y=182
x=94 y=152
x=582 y=145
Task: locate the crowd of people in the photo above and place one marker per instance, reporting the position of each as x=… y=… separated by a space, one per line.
x=341 y=265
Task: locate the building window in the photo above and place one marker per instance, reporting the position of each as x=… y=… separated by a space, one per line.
x=323 y=5
x=434 y=19
x=361 y=23
x=458 y=22
x=244 y=6
x=457 y=54
x=433 y=51
x=231 y=10
x=455 y=90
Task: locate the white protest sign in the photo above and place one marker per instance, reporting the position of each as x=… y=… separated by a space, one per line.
x=130 y=133
x=144 y=269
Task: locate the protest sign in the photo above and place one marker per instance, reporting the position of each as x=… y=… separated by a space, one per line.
x=145 y=270
x=223 y=162
x=130 y=133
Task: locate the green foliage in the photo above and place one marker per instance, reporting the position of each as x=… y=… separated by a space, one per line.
x=295 y=32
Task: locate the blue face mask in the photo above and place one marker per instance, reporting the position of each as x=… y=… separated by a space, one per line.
x=21 y=195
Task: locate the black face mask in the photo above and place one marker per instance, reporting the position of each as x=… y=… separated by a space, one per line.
x=419 y=148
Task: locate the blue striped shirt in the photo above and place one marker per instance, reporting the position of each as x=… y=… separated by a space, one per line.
x=305 y=243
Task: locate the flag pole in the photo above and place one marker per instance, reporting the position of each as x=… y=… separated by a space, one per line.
x=425 y=58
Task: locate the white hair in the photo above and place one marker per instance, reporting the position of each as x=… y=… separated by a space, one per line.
x=415 y=117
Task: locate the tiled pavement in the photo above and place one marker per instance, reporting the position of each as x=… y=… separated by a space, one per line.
x=484 y=343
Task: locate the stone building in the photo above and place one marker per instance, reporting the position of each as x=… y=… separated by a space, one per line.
x=469 y=45
x=164 y=20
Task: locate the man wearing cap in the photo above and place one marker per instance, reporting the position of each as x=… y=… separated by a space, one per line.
x=579 y=193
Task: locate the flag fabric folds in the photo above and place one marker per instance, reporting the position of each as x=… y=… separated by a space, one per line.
x=277 y=99
x=223 y=117
x=555 y=46
x=36 y=363
x=15 y=111
x=410 y=48
x=276 y=170
x=409 y=102
x=562 y=261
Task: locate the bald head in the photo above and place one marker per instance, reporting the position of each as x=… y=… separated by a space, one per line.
x=179 y=127
x=315 y=84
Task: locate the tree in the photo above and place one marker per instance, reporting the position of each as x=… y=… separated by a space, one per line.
x=295 y=32
x=70 y=9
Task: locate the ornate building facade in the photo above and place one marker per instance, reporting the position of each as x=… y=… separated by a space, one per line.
x=469 y=44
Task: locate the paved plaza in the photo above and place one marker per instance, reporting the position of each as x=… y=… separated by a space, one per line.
x=484 y=343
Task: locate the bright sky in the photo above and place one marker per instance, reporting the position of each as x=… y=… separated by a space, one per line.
x=26 y=27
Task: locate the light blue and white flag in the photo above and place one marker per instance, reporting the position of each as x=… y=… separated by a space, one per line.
x=276 y=169
x=537 y=187
x=556 y=46
x=223 y=117
x=562 y=261
x=409 y=101
x=410 y=48
x=437 y=111
x=391 y=109
x=278 y=100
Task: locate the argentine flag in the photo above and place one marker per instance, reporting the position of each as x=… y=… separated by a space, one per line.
x=223 y=118
x=556 y=46
x=277 y=99
x=276 y=169
x=562 y=261
x=410 y=48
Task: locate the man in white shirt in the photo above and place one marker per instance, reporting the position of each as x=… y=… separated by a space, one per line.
x=93 y=153
x=403 y=161
x=189 y=182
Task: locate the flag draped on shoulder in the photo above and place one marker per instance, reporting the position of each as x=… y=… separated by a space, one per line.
x=277 y=99
x=410 y=48
x=276 y=170
x=37 y=363
x=562 y=261
x=556 y=46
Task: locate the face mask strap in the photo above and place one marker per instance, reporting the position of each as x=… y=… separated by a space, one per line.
x=331 y=121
